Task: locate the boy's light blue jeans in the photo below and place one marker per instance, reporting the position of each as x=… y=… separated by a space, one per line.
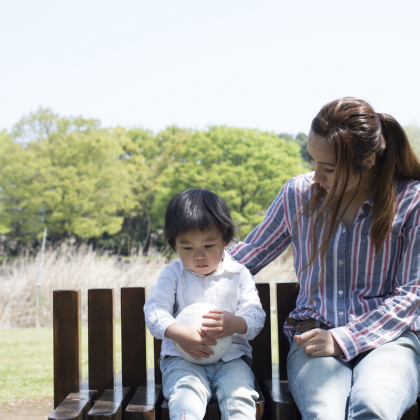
x=380 y=384
x=189 y=387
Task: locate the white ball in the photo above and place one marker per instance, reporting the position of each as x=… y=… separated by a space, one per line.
x=192 y=316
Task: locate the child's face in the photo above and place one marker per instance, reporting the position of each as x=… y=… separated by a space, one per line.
x=201 y=252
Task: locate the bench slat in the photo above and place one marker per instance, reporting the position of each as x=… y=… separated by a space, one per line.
x=75 y=406
x=145 y=404
x=67 y=343
x=133 y=337
x=287 y=294
x=111 y=404
x=261 y=344
x=101 y=339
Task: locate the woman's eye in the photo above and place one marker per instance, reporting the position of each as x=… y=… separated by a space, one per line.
x=329 y=171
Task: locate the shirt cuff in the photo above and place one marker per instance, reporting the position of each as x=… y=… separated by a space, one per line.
x=164 y=325
x=348 y=343
x=251 y=331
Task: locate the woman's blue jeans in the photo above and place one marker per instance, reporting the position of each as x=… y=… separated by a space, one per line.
x=189 y=387
x=379 y=384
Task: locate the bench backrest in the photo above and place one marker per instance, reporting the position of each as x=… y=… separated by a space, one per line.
x=101 y=337
x=261 y=345
x=287 y=294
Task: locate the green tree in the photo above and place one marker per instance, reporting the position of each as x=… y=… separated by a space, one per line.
x=413 y=134
x=301 y=139
x=71 y=181
x=246 y=167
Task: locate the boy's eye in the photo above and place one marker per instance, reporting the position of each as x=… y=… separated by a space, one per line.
x=208 y=246
x=187 y=248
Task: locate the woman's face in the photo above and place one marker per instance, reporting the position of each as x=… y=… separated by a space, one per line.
x=324 y=163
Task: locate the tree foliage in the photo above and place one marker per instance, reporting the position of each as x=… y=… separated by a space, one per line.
x=413 y=134
x=247 y=168
x=111 y=186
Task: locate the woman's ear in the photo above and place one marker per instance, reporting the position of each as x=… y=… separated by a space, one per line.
x=370 y=161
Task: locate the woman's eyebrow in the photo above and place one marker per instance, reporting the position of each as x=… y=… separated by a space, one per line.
x=323 y=163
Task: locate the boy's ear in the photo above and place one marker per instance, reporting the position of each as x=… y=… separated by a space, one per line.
x=225 y=244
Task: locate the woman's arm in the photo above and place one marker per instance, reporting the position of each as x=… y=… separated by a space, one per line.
x=272 y=236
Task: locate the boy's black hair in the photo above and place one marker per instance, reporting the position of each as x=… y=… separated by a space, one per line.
x=197 y=210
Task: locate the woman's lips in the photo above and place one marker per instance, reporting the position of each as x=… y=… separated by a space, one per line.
x=323 y=186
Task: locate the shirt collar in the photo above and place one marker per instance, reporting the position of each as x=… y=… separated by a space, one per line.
x=227 y=265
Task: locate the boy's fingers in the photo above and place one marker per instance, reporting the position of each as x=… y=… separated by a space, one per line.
x=209 y=341
x=216 y=311
x=212 y=316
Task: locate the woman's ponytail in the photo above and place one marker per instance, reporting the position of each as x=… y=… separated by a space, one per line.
x=396 y=161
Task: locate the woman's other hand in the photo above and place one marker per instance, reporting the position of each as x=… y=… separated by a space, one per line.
x=318 y=343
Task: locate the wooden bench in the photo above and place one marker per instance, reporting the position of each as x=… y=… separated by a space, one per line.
x=131 y=394
x=282 y=404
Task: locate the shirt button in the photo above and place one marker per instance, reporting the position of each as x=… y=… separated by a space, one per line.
x=344 y=230
x=361 y=212
x=341 y=313
x=340 y=292
x=340 y=262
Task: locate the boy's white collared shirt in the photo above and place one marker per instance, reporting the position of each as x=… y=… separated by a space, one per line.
x=231 y=287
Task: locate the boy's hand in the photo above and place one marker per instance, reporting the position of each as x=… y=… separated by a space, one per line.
x=222 y=323
x=191 y=340
x=318 y=343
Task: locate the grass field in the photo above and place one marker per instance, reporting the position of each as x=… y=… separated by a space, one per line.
x=26 y=360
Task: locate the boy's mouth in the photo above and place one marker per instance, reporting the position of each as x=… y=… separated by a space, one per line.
x=202 y=266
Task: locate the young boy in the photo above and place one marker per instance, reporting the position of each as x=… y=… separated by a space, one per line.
x=198 y=227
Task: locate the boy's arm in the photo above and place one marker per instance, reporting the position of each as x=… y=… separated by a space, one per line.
x=158 y=312
x=191 y=340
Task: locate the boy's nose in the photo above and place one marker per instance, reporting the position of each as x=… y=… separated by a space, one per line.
x=199 y=256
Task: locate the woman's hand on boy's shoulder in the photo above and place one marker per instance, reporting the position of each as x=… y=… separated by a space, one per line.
x=191 y=340
x=221 y=323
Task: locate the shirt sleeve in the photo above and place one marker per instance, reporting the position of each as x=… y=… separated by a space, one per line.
x=270 y=238
x=158 y=310
x=398 y=313
x=249 y=306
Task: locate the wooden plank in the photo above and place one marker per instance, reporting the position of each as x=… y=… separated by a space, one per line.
x=412 y=413
x=282 y=405
x=286 y=302
x=261 y=345
x=101 y=339
x=111 y=404
x=75 y=406
x=145 y=404
x=133 y=337
x=260 y=403
x=157 y=345
x=67 y=343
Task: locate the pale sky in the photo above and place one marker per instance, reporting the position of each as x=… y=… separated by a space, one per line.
x=262 y=64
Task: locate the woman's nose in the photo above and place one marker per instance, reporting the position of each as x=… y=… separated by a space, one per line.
x=318 y=177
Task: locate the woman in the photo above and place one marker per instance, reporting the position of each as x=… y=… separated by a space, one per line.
x=354 y=228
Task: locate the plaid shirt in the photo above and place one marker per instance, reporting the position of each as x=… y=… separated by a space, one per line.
x=367 y=301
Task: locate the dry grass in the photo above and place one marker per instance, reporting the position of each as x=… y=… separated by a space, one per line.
x=69 y=267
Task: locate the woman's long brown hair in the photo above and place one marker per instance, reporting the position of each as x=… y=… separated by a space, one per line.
x=355 y=131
